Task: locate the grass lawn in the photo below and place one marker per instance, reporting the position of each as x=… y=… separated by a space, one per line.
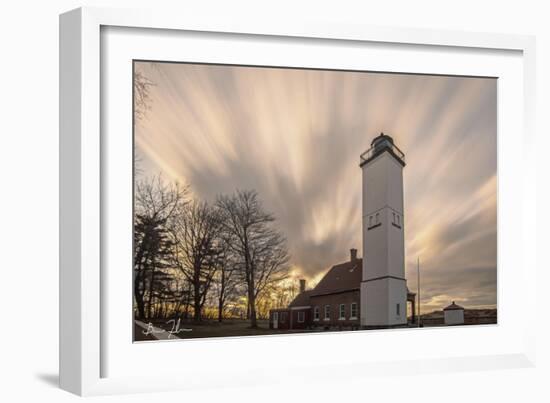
x=228 y=328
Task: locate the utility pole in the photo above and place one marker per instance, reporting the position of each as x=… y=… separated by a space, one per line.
x=418 y=286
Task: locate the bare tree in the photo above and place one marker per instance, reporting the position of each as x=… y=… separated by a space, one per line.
x=142 y=97
x=157 y=199
x=271 y=258
x=281 y=294
x=142 y=103
x=196 y=231
x=260 y=247
x=227 y=280
x=155 y=205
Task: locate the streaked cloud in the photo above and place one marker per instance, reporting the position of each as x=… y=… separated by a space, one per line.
x=296 y=135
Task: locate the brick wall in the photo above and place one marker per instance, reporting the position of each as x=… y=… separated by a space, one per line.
x=334 y=301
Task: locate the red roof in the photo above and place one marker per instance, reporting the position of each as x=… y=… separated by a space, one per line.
x=341 y=278
x=301 y=299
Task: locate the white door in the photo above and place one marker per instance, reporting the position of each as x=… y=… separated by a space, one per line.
x=275 y=320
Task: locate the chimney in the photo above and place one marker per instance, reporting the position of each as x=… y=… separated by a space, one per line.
x=353 y=254
x=302 y=285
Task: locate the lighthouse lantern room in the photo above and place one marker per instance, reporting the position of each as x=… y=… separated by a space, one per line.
x=383 y=286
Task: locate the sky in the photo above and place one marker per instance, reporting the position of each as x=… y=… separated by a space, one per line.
x=295 y=136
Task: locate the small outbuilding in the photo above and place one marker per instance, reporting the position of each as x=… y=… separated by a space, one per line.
x=454 y=314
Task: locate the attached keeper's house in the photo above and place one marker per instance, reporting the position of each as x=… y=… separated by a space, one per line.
x=333 y=304
x=370 y=292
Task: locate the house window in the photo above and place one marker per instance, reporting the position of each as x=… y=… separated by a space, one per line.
x=316 y=314
x=327 y=312
x=398 y=309
x=342 y=312
x=353 y=310
x=283 y=317
x=301 y=316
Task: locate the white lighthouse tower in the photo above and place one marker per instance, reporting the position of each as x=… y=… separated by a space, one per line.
x=383 y=287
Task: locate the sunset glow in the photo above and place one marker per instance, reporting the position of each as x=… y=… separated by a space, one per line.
x=295 y=136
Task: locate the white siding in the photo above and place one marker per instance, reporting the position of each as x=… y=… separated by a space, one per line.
x=379 y=299
x=384 y=245
x=454 y=317
x=397 y=294
x=376 y=310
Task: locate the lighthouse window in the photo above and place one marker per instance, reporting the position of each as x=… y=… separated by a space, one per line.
x=396 y=220
x=377 y=218
x=370 y=221
x=398 y=309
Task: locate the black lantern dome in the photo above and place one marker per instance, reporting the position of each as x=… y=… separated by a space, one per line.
x=382 y=139
x=379 y=144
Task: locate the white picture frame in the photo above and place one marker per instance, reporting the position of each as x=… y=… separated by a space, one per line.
x=86 y=186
